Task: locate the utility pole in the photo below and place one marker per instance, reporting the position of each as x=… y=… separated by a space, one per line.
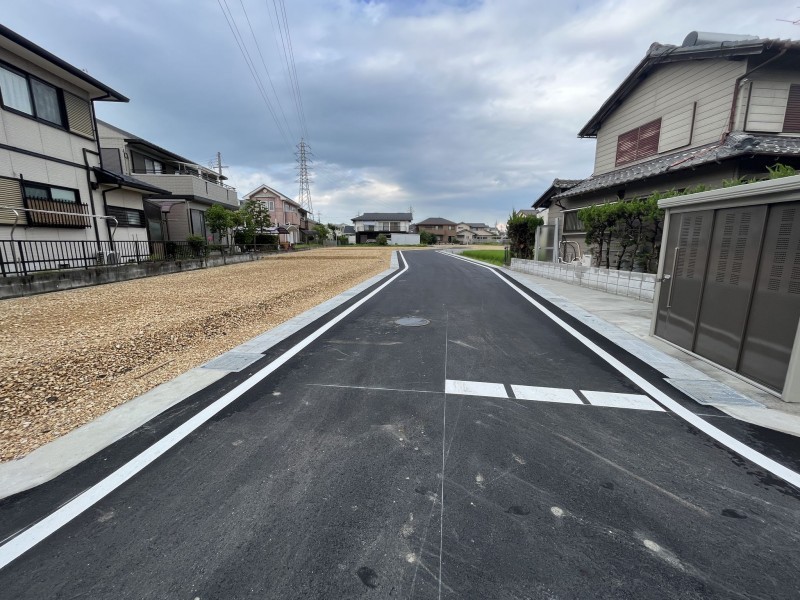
x=219 y=166
x=303 y=159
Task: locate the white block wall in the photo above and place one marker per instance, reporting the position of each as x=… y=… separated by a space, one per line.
x=640 y=286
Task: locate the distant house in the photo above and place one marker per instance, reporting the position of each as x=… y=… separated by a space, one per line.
x=49 y=163
x=283 y=212
x=470 y=233
x=718 y=107
x=370 y=225
x=444 y=230
x=188 y=188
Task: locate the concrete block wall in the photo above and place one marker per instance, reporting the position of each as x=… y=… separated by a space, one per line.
x=621 y=283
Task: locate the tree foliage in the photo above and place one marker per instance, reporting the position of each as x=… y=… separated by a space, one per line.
x=219 y=219
x=322 y=232
x=521 y=231
x=253 y=218
x=426 y=237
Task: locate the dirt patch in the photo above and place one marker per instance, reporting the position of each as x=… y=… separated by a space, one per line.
x=68 y=357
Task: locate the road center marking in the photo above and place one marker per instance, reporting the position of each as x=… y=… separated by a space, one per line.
x=475 y=388
x=636 y=401
x=545 y=394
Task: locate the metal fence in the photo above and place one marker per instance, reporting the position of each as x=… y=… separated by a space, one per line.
x=24 y=257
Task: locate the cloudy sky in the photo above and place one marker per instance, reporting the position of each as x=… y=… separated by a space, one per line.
x=462 y=109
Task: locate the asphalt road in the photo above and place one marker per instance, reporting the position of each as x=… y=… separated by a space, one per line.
x=393 y=461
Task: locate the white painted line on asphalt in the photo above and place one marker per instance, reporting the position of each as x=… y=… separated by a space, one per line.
x=27 y=539
x=743 y=450
x=475 y=388
x=545 y=394
x=613 y=399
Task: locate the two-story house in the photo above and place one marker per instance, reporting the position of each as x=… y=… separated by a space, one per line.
x=370 y=225
x=285 y=214
x=188 y=188
x=52 y=206
x=718 y=107
x=444 y=230
x=470 y=233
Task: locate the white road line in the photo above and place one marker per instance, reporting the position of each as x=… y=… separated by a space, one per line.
x=635 y=401
x=475 y=388
x=743 y=450
x=50 y=524
x=545 y=394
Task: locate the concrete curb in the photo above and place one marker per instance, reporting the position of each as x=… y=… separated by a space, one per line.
x=50 y=460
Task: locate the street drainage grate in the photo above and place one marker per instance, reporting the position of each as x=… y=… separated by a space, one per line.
x=712 y=392
x=412 y=322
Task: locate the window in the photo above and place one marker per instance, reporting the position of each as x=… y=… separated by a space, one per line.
x=32 y=97
x=791 y=122
x=126 y=217
x=49 y=193
x=153 y=166
x=638 y=143
x=49 y=204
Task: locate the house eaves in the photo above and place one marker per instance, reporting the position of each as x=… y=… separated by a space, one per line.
x=736 y=144
x=660 y=54
x=558 y=186
x=383 y=217
x=23 y=47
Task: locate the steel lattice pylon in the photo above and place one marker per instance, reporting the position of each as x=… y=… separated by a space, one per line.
x=303 y=160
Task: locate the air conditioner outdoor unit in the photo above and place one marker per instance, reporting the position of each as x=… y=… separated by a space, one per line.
x=112 y=258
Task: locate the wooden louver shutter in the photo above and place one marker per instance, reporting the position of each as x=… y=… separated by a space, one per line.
x=791 y=122
x=649 y=134
x=79 y=115
x=626 y=147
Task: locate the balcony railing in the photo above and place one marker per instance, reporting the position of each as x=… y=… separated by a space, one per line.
x=25 y=257
x=56 y=216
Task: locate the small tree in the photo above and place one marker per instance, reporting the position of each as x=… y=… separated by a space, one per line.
x=219 y=219
x=427 y=238
x=322 y=232
x=597 y=221
x=254 y=219
x=521 y=231
x=382 y=239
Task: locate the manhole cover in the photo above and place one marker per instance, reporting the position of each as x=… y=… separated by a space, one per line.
x=412 y=322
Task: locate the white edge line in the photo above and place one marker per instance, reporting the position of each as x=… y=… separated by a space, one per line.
x=28 y=538
x=743 y=450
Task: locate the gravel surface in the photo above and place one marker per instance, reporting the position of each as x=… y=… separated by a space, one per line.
x=68 y=357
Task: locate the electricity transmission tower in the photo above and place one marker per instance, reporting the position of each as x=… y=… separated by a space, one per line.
x=303 y=155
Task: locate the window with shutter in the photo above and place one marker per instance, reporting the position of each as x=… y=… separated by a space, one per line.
x=791 y=122
x=638 y=143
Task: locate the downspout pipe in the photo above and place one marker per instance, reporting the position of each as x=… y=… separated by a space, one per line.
x=737 y=86
x=105 y=211
x=90 y=184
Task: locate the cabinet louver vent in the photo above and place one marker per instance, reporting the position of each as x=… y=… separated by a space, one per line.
x=788 y=237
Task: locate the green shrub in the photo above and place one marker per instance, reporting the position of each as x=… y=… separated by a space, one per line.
x=197 y=245
x=382 y=240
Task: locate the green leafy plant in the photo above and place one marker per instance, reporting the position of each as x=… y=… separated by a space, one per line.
x=382 y=240
x=521 y=231
x=427 y=238
x=198 y=245
x=779 y=170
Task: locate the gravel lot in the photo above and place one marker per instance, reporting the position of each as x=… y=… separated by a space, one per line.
x=68 y=357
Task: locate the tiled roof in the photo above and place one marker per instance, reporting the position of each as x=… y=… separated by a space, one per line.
x=435 y=221
x=106 y=176
x=383 y=217
x=736 y=144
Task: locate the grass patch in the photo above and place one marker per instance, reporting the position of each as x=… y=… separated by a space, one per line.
x=491 y=256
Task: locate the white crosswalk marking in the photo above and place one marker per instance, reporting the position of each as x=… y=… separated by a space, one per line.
x=548 y=394
x=475 y=388
x=635 y=401
x=545 y=394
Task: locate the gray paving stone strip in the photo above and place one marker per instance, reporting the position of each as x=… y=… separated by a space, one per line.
x=50 y=460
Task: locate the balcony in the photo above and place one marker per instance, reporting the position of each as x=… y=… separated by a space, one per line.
x=183 y=184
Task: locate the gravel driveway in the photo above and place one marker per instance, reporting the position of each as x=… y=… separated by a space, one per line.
x=68 y=357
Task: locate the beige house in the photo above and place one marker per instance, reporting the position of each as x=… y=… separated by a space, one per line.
x=187 y=189
x=717 y=107
x=52 y=203
x=475 y=233
x=283 y=213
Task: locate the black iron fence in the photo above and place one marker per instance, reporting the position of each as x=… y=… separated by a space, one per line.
x=24 y=257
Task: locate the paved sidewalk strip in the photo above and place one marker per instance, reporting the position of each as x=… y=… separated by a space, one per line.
x=545 y=394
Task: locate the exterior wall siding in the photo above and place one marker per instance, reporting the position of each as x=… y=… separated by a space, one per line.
x=672 y=92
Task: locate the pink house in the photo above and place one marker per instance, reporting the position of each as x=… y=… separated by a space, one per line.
x=283 y=212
